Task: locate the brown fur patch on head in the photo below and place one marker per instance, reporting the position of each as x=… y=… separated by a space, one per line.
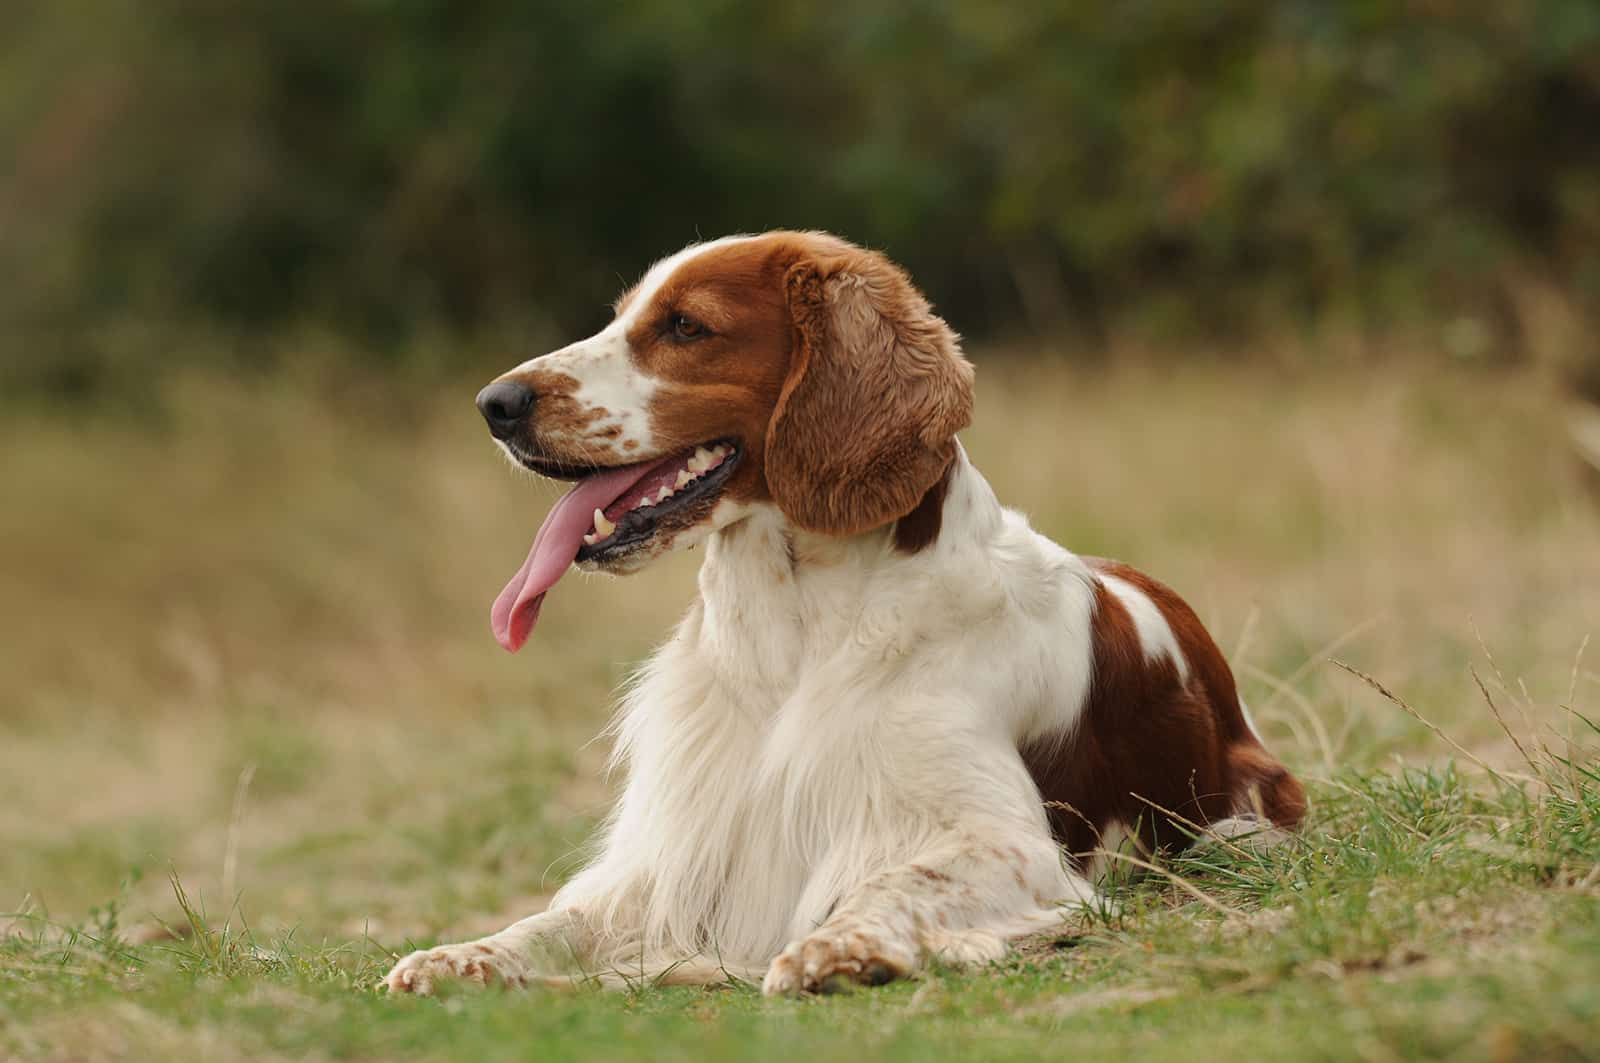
x=877 y=388
x=842 y=389
x=724 y=383
x=819 y=360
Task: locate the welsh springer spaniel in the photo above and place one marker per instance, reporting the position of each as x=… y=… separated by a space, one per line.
x=897 y=722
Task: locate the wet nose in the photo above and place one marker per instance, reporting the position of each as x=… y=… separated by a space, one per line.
x=504 y=404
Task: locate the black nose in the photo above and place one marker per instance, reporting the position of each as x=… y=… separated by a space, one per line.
x=504 y=404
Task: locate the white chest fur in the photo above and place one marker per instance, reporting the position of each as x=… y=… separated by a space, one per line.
x=826 y=708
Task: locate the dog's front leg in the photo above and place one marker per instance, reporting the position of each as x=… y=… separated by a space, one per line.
x=961 y=902
x=539 y=946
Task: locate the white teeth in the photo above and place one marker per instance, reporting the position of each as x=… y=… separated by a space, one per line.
x=701 y=461
x=685 y=477
x=590 y=539
x=666 y=493
x=602 y=527
x=720 y=450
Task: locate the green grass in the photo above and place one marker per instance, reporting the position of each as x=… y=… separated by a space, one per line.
x=1424 y=913
x=250 y=696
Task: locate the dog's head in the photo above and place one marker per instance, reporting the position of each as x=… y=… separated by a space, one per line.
x=790 y=369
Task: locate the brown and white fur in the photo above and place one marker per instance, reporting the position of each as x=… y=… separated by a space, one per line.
x=896 y=720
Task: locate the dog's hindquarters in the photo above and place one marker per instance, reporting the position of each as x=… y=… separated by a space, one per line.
x=1161 y=749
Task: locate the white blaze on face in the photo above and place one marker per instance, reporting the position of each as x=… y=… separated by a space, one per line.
x=609 y=378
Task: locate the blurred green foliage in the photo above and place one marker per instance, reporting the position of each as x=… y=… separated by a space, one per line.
x=389 y=168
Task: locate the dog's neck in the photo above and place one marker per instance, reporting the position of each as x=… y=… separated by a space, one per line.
x=775 y=597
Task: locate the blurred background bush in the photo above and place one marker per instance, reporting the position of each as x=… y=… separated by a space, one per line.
x=382 y=171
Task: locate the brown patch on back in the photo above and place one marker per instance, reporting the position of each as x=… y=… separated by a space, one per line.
x=1144 y=733
x=1204 y=658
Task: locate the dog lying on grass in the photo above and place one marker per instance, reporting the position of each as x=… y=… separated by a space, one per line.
x=896 y=722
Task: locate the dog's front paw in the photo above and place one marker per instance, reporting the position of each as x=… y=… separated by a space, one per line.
x=478 y=962
x=837 y=957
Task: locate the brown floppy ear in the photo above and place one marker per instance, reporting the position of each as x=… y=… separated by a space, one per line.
x=876 y=391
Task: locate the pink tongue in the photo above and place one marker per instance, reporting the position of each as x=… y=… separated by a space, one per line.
x=554 y=548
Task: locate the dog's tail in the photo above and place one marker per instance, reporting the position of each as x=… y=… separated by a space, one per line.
x=1269 y=802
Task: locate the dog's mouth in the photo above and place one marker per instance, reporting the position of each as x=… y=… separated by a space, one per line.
x=609 y=514
x=672 y=489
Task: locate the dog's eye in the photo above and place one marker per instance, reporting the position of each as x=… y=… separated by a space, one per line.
x=685 y=327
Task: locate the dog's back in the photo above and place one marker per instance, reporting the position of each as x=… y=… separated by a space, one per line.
x=1162 y=747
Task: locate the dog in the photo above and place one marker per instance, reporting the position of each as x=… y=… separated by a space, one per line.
x=897 y=724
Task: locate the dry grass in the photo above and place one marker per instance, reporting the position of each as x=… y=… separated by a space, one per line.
x=247 y=640
x=260 y=578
